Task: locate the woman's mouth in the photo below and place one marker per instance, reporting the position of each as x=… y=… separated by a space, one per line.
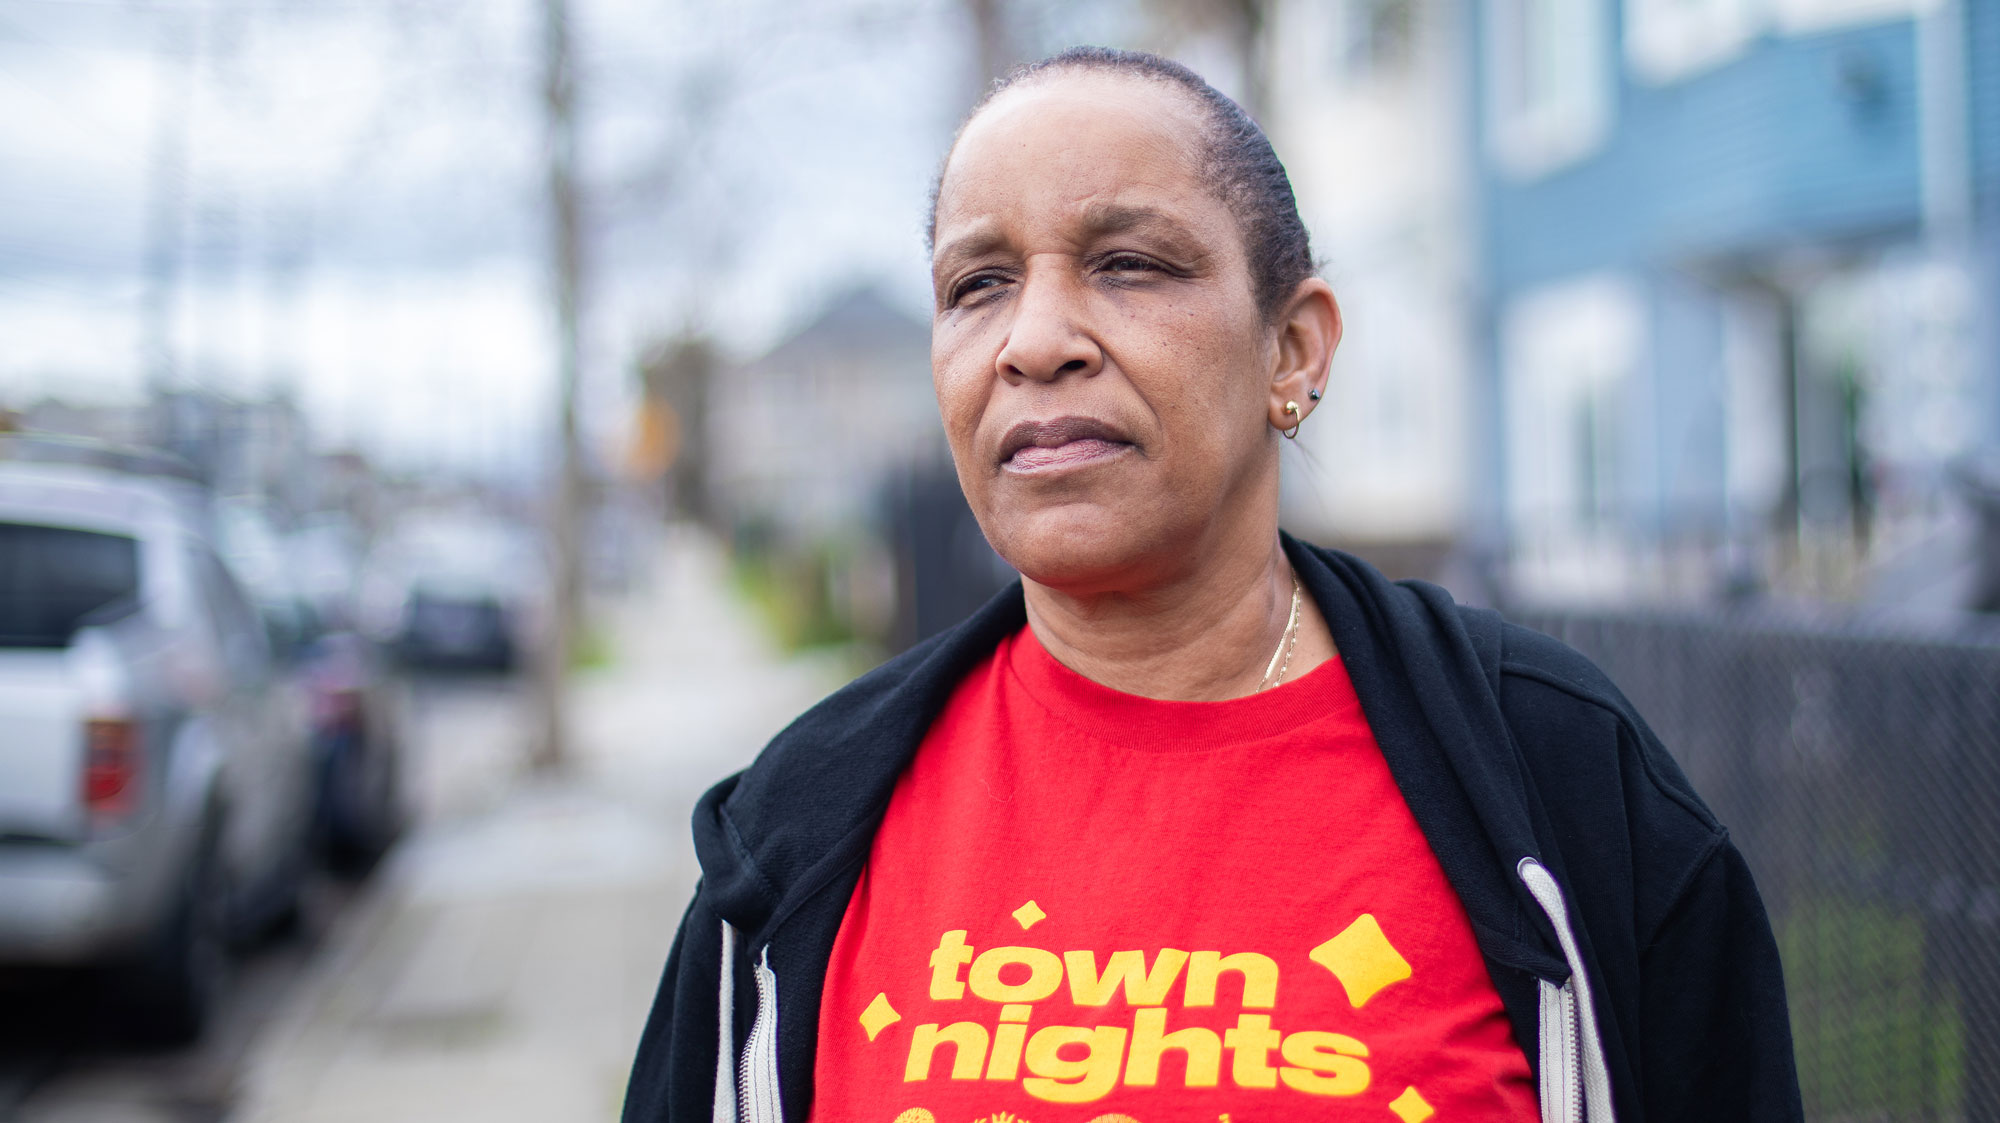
x=1065 y=442
x=1035 y=457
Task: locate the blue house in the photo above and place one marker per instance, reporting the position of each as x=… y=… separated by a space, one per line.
x=1739 y=275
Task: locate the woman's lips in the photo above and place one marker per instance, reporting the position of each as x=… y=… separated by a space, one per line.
x=1059 y=443
x=1037 y=457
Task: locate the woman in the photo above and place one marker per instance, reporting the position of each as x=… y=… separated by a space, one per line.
x=1197 y=822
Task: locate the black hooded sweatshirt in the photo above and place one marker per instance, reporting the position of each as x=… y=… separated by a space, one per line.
x=1618 y=923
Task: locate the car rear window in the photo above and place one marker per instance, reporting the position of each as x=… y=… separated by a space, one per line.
x=53 y=580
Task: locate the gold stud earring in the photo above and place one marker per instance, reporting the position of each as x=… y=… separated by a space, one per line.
x=1292 y=411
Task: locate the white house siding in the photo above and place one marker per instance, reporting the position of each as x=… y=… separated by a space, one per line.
x=804 y=436
x=1373 y=140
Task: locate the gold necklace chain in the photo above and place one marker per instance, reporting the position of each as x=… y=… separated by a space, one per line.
x=1286 y=643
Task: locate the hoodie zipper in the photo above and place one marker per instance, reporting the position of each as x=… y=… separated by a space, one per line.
x=1561 y=1090
x=757 y=1070
x=1576 y=1083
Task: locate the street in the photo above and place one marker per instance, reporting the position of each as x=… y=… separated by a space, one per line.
x=500 y=962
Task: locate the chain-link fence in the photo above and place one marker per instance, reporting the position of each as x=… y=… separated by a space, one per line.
x=1859 y=772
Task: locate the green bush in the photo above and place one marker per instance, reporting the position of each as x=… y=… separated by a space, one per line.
x=1876 y=1039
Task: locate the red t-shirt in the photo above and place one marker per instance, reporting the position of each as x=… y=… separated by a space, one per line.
x=1085 y=906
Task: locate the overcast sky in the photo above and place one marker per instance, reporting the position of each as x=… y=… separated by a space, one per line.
x=354 y=192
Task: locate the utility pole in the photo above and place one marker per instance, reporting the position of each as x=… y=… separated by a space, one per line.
x=565 y=514
x=166 y=186
x=993 y=42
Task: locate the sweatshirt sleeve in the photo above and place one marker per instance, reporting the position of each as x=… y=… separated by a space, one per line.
x=673 y=1076
x=1716 y=1038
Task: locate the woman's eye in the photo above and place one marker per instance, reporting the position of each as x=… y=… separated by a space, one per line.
x=1129 y=263
x=972 y=285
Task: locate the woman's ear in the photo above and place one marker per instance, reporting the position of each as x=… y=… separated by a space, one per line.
x=1308 y=333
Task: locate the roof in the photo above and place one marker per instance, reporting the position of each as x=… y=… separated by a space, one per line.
x=858 y=320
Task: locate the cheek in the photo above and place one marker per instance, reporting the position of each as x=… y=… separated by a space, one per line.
x=1205 y=378
x=962 y=389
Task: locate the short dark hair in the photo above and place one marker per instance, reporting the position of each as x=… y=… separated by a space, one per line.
x=1238 y=157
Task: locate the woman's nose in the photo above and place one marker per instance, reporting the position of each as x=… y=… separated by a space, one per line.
x=1046 y=340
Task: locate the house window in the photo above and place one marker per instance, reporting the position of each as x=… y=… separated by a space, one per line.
x=1549 y=84
x=1570 y=355
x=1594 y=420
x=1670 y=39
x=1799 y=16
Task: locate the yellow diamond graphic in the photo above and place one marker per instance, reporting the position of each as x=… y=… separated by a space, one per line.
x=879 y=1016
x=1029 y=915
x=1362 y=959
x=1410 y=1107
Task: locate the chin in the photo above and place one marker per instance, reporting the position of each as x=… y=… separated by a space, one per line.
x=1079 y=547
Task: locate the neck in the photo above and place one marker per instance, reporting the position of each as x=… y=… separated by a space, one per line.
x=1203 y=634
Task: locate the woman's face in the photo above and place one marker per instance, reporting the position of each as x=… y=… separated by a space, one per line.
x=1100 y=362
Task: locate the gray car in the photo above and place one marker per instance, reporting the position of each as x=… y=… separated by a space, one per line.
x=154 y=763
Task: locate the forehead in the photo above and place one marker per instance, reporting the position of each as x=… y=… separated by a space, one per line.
x=1060 y=148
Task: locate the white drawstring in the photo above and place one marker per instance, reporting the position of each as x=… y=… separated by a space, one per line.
x=1568 y=1021
x=725 y=1020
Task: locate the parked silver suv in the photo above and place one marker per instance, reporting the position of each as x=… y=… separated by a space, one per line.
x=154 y=763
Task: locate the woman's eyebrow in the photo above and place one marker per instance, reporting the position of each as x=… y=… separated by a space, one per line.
x=1097 y=220
x=1101 y=220
x=983 y=240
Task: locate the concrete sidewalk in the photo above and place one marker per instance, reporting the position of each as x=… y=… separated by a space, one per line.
x=505 y=961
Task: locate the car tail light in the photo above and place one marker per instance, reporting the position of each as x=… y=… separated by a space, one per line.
x=336 y=710
x=110 y=765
